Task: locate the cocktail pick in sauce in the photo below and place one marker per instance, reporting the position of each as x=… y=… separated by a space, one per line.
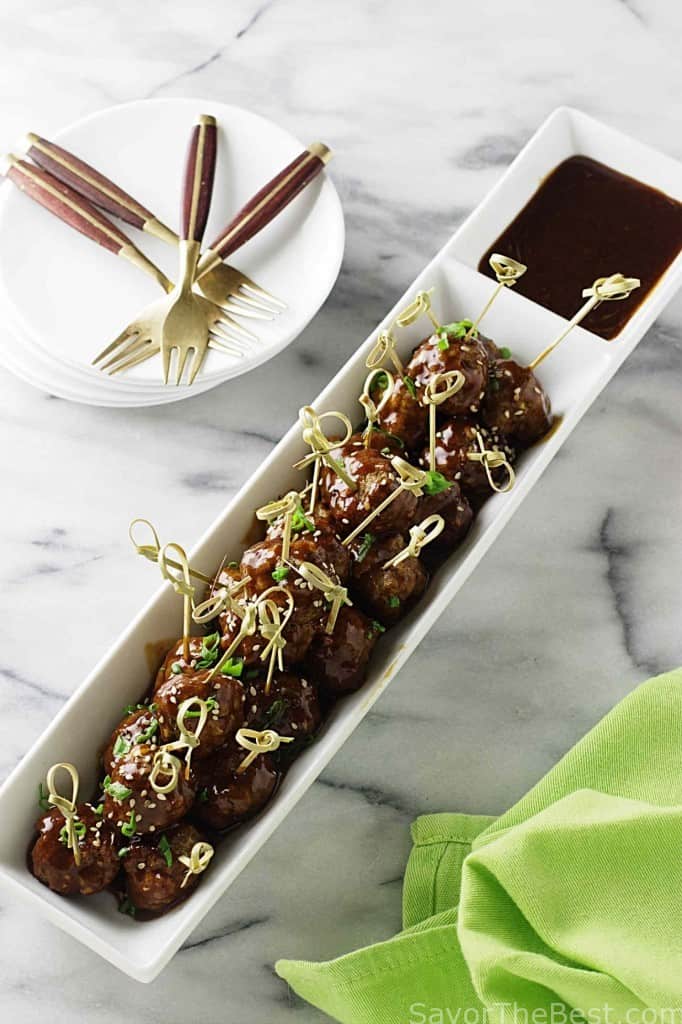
x=258 y=742
x=224 y=598
x=411 y=479
x=507 y=271
x=375 y=377
x=322 y=447
x=440 y=387
x=421 y=534
x=73 y=828
x=491 y=460
x=605 y=289
x=181 y=581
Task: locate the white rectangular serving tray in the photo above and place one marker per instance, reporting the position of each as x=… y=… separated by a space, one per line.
x=573 y=376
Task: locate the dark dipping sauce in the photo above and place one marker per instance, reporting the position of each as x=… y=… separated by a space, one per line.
x=584 y=222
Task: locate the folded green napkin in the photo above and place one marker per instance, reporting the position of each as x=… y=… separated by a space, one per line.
x=567 y=908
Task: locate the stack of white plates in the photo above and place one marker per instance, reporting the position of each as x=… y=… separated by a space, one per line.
x=63 y=298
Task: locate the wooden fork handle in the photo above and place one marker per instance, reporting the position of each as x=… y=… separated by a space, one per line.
x=199 y=173
x=272 y=199
x=65 y=204
x=87 y=181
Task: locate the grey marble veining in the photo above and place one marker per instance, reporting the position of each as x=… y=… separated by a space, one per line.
x=425 y=105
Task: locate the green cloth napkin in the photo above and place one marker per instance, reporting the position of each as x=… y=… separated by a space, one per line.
x=567 y=908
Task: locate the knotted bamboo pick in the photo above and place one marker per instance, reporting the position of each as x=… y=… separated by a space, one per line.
x=322 y=447
x=507 y=271
x=420 y=535
x=440 y=387
x=258 y=742
x=604 y=289
x=67 y=806
x=372 y=409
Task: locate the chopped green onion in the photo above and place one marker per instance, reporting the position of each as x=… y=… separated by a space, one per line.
x=145 y=736
x=300 y=521
x=126 y=907
x=410 y=385
x=202 y=795
x=122 y=852
x=274 y=713
x=375 y=627
x=435 y=483
x=233 y=565
x=393 y=601
x=367 y=541
x=380 y=382
x=211 y=705
x=176 y=668
x=210 y=648
x=99 y=809
x=79 y=828
x=128 y=827
x=117 y=791
x=233 y=667
x=164 y=848
x=505 y=352
x=121 y=746
x=458 y=329
x=280 y=573
x=43 y=802
x=443 y=343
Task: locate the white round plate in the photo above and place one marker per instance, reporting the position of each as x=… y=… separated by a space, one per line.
x=70 y=297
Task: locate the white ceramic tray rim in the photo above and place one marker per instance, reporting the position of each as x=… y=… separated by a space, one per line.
x=574 y=376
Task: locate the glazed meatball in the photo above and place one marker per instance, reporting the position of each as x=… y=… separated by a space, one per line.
x=469 y=357
x=204 y=652
x=153 y=871
x=457 y=516
x=455 y=442
x=53 y=863
x=404 y=415
x=320 y=546
x=225 y=715
x=375 y=480
x=140 y=726
x=131 y=801
x=227 y=796
x=338 y=661
x=386 y=594
x=291 y=706
x=516 y=404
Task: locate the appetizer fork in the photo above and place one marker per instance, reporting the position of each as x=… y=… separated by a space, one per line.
x=219 y=281
x=184 y=329
x=141 y=339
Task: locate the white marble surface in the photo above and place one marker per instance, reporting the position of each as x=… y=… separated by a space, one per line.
x=425 y=105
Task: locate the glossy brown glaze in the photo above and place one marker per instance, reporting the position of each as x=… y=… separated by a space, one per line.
x=516 y=405
x=290 y=705
x=227 y=796
x=387 y=594
x=225 y=715
x=154 y=874
x=404 y=415
x=456 y=441
x=457 y=514
x=53 y=863
x=375 y=479
x=468 y=356
x=152 y=811
x=584 y=222
x=141 y=725
x=338 y=661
